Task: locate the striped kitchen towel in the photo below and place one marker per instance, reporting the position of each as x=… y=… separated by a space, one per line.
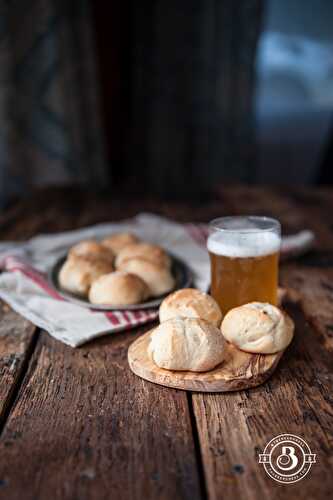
x=25 y=287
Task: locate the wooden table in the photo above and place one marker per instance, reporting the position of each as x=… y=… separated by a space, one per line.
x=77 y=424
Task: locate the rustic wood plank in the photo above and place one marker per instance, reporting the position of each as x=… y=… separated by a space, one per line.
x=265 y=201
x=16 y=344
x=316 y=207
x=296 y=208
x=85 y=427
x=234 y=428
x=314 y=289
x=168 y=466
x=52 y=210
x=64 y=387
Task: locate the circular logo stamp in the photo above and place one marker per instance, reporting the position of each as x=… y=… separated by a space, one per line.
x=287 y=458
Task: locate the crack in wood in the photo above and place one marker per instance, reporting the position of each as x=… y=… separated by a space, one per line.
x=9 y=402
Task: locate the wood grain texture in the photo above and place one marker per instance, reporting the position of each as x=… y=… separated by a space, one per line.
x=52 y=210
x=16 y=342
x=234 y=428
x=315 y=296
x=85 y=427
x=239 y=370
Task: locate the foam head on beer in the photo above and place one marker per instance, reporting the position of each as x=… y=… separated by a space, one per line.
x=244 y=260
x=249 y=244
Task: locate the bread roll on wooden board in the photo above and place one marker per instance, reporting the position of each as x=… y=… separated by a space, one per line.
x=190 y=303
x=187 y=344
x=239 y=370
x=258 y=327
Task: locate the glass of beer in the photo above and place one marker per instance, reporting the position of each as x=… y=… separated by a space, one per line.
x=244 y=257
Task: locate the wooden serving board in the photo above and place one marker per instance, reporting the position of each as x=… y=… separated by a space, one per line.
x=239 y=370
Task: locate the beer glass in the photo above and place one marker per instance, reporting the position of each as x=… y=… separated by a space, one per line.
x=244 y=257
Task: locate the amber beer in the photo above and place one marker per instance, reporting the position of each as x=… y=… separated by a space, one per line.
x=244 y=256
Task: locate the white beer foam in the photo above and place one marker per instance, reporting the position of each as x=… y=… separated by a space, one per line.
x=247 y=244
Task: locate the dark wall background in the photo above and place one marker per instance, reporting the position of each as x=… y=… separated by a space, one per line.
x=294 y=98
x=187 y=70
x=166 y=97
x=213 y=92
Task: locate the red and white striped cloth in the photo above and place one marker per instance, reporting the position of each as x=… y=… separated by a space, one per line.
x=25 y=286
x=116 y=318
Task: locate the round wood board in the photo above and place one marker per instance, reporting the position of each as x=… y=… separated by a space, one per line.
x=240 y=370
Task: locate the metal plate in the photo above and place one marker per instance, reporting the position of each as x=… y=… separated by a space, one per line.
x=180 y=271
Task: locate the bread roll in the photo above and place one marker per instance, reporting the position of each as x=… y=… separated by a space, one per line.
x=186 y=344
x=92 y=249
x=78 y=272
x=159 y=279
x=116 y=242
x=152 y=253
x=118 y=288
x=190 y=303
x=258 y=327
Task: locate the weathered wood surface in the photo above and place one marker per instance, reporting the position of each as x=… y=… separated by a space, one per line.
x=85 y=427
x=297 y=399
x=239 y=370
x=235 y=428
x=82 y=426
x=17 y=337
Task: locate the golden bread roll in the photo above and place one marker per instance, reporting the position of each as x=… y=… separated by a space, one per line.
x=116 y=242
x=159 y=279
x=189 y=344
x=93 y=249
x=190 y=303
x=78 y=273
x=147 y=251
x=258 y=327
x=118 y=289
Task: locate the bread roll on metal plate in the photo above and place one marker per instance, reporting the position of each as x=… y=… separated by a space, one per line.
x=91 y=248
x=118 y=289
x=78 y=273
x=116 y=242
x=258 y=327
x=152 y=253
x=189 y=344
x=190 y=303
x=159 y=279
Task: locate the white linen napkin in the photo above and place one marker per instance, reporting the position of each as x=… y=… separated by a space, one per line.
x=25 y=287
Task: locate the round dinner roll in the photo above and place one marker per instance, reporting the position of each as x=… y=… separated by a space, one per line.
x=159 y=279
x=91 y=248
x=190 y=303
x=116 y=242
x=147 y=251
x=258 y=327
x=189 y=344
x=78 y=273
x=118 y=289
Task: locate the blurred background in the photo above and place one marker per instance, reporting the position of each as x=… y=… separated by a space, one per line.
x=167 y=98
